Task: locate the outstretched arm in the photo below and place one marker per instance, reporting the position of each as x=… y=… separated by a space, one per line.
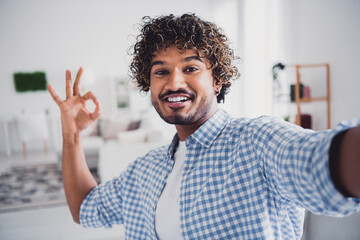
x=346 y=169
x=77 y=179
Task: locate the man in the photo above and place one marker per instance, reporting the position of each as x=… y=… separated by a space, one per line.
x=221 y=177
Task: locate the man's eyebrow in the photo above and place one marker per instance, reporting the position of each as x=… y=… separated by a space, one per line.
x=186 y=59
x=195 y=57
x=157 y=63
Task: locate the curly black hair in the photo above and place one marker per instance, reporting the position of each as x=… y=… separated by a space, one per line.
x=185 y=32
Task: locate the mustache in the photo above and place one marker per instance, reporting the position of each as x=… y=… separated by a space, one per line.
x=180 y=91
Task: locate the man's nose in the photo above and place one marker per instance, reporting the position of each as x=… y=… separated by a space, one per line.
x=176 y=80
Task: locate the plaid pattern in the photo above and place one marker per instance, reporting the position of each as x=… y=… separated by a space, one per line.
x=243 y=179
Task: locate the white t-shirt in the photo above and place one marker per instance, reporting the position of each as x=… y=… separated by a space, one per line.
x=167 y=217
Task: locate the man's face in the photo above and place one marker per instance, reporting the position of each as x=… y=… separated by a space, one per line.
x=182 y=87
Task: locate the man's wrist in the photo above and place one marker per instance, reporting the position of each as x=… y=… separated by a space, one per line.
x=71 y=139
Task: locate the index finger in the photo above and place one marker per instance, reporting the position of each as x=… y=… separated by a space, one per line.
x=77 y=81
x=89 y=95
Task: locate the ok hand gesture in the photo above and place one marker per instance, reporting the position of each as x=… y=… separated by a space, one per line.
x=74 y=115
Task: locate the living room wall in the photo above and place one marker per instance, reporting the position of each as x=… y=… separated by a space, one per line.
x=327 y=31
x=53 y=36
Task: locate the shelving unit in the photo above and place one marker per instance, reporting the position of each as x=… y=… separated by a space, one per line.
x=299 y=100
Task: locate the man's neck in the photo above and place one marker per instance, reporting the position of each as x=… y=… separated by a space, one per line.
x=184 y=131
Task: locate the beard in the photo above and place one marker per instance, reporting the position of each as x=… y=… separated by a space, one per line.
x=179 y=117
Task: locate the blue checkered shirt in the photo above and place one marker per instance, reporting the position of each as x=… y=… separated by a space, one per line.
x=242 y=179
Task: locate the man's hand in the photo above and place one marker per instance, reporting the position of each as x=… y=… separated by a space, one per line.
x=77 y=178
x=74 y=115
x=349 y=162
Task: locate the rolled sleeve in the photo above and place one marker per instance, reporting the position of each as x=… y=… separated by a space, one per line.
x=337 y=204
x=102 y=206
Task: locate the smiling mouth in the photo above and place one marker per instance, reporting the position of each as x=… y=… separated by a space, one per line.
x=178 y=99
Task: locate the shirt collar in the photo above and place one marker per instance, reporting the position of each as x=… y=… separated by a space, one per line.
x=173 y=145
x=207 y=133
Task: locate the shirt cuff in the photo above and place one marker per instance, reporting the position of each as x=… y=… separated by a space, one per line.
x=87 y=208
x=339 y=205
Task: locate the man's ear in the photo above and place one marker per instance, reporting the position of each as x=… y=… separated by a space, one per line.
x=217 y=86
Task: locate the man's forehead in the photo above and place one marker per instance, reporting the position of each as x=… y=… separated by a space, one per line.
x=172 y=55
x=164 y=51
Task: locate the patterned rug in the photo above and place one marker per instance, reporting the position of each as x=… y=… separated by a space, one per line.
x=30 y=187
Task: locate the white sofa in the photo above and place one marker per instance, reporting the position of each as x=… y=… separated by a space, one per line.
x=116 y=154
x=127 y=134
x=114 y=157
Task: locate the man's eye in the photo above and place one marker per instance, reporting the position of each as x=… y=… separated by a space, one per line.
x=191 y=69
x=160 y=72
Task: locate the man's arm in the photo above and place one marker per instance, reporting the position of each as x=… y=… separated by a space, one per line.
x=295 y=163
x=346 y=168
x=77 y=179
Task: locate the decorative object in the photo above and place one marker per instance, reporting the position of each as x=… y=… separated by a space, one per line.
x=306 y=92
x=29 y=187
x=305 y=120
x=35 y=81
x=122 y=93
x=292 y=92
x=280 y=91
x=277 y=88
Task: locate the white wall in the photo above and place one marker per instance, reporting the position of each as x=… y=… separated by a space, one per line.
x=56 y=35
x=320 y=31
x=229 y=15
x=301 y=32
x=260 y=39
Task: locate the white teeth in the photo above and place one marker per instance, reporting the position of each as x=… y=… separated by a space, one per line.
x=177 y=99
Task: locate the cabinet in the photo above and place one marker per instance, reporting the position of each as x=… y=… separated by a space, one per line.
x=301 y=100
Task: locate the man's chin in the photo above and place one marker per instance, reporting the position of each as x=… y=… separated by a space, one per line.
x=178 y=116
x=171 y=116
x=177 y=119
